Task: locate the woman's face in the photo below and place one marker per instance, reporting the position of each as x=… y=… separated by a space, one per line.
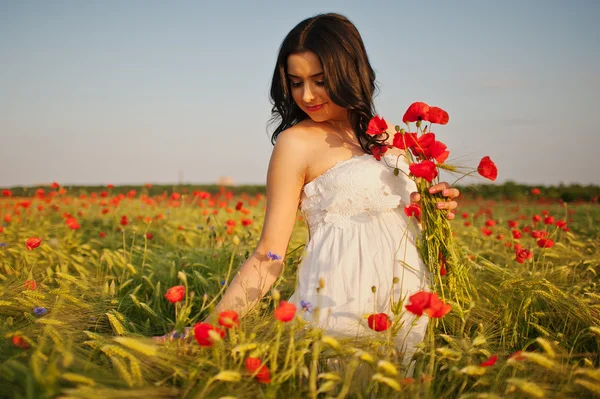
x=307 y=83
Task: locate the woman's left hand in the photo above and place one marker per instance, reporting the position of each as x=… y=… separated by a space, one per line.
x=444 y=188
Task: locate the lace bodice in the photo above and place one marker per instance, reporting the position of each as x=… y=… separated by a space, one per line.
x=356 y=190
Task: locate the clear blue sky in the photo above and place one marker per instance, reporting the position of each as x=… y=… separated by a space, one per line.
x=137 y=91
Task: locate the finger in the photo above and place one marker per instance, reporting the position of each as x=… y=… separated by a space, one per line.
x=436 y=188
x=450 y=192
x=415 y=197
x=450 y=205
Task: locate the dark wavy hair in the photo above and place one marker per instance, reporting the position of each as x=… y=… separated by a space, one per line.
x=349 y=77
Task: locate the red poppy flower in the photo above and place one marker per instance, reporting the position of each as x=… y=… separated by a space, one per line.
x=512 y=224
x=516 y=234
x=376 y=126
x=437 y=115
x=490 y=222
x=285 y=311
x=254 y=366
x=6 y=193
x=32 y=243
x=246 y=222
x=425 y=169
x=229 y=319
x=201 y=333
x=175 y=294
x=72 y=223
x=487 y=168
x=412 y=210
x=30 y=285
x=535 y=191
x=424 y=141
x=545 y=243
x=239 y=206
x=378 y=151
x=417 y=111
x=427 y=302
x=102 y=234
x=404 y=140
x=19 y=342
x=522 y=254
x=486 y=232
x=549 y=220
x=490 y=362
x=379 y=322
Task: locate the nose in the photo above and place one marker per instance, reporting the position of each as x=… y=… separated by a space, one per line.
x=307 y=95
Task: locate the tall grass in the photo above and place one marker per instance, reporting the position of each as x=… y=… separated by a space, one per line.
x=105 y=298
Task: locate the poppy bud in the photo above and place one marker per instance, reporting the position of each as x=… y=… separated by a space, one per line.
x=373 y=289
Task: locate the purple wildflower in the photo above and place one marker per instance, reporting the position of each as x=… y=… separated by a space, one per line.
x=306 y=306
x=40 y=311
x=273 y=256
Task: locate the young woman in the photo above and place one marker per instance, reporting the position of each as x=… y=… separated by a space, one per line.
x=362 y=252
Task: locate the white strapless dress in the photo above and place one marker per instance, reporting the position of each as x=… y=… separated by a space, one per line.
x=359 y=238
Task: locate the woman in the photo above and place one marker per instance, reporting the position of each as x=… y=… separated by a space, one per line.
x=362 y=253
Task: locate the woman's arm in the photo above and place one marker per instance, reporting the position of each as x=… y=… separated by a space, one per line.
x=285 y=179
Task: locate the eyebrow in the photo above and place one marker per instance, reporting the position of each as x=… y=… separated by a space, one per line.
x=311 y=76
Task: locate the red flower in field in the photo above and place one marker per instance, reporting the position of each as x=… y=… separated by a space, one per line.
x=516 y=234
x=437 y=115
x=523 y=254
x=490 y=223
x=32 y=243
x=1 y=229
x=490 y=362
x=175 y=294
x=425 y=169
x=465 y=215
x=486 y=232
x=404 y=141
x=427 y=302
x=376 y=126
x=412 y=210
x=378 y=151
x=110 y=186
x=536 y=218
x=246 y=222
x=229 y=319
x=124 y=221
x=30 y=285
x=526 y=229
x=560 y=223
x=201 y=333
x=175 y=196
x=535 y=191
x=285 y=311
x=253 y=365
x=467 y=223
x=379 y=322
x=230 y=223
x=512 y=224
x=487 y=168
x=417 y=111
x=19 y=342
x=72 y=223
x=102 y=234
x=549 y=220
x=545 y=243
x=239 y=206
x=149 y=236
x=6 y=193
x=54 y=185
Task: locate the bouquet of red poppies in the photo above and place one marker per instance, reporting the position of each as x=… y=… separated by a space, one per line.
x=426 y=156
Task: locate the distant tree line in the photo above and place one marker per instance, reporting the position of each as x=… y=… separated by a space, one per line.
x=509 y=190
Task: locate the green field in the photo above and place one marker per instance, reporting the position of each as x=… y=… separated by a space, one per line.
x=106 y=261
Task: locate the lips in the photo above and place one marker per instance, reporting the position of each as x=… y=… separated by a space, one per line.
x=314 y=108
